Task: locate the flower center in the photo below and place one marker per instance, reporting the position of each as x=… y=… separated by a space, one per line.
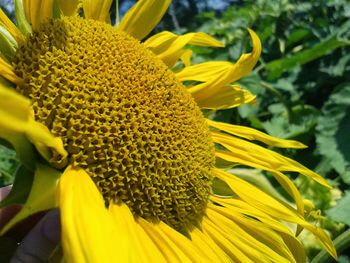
x=122 y=116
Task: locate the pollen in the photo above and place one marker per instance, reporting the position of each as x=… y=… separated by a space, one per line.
x=122 y=116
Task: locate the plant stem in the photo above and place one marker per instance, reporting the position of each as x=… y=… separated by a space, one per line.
x=341 y=242
x=278 y=94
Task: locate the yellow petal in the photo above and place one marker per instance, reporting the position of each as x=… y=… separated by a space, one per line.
x=256 y=156
x=296 y=247
x=38 y=11
x=171 y=251
x=161 y=42
x=186 y=56
x=183 y=243
x=44 y=141
x=16 y=116
x=224 y=242
x=291 y=189
x=205 y=243
x=68 y=7
x=225 y=97
x=204 y=72
x=140 y=20
x=214 y=78
x=226 y=72
x=14 y=109
x=7 y=71
x=251 y=211
x=97 y=9
x=41 y=196
x=252 y=134
x=167 y=45
x=264 y=202
x=257 y=251
x=7 y=23
x=242 y=207
x=143 y=248
x=89 y=232
x=257 y=230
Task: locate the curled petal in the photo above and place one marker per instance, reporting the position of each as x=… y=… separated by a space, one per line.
x=168 y=46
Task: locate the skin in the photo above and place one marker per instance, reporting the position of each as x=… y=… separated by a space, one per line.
x=39 y=243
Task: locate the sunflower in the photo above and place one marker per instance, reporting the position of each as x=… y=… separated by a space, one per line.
x=111 y=132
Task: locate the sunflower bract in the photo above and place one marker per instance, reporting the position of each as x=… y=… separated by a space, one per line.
x=122 y=116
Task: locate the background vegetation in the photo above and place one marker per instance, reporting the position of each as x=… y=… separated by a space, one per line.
x=302 y=83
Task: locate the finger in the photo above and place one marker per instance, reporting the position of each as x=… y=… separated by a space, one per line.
x=4 y=191
x=38 y=245
x=7 y=213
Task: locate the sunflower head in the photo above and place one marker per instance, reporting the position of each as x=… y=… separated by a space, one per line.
x=125 y=137
x=122 y=116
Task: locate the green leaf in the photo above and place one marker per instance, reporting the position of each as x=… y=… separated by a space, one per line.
x=332 y=133
x=277 y=67
x=344 y=259
x=301 y=119
x=297 y=35
x=341 y=212
x=8 y=165
x=339 y=68
x=21 y=187
x=24 y=149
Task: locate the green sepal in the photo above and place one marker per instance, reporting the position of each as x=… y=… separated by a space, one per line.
x=223 y=164
x=220 y=187
x=8 y=44
x=21 y=187
x=117 y=18
x=4 y=81
x=56 y=11
x=24 y=149
x=42 y=196
x=22 y=22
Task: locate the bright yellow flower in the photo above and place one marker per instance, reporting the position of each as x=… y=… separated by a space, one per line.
x=117 y=140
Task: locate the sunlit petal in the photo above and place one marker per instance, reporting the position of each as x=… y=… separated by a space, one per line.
x=68 y=7
x=97 y=9
x=7 y=23
x=38 y=11
x=89 y=233
x=140 y=20
x=167 y=45
x=252 y=134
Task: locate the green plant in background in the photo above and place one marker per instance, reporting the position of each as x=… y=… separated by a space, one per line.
x=303 y=88
x=8 y=165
